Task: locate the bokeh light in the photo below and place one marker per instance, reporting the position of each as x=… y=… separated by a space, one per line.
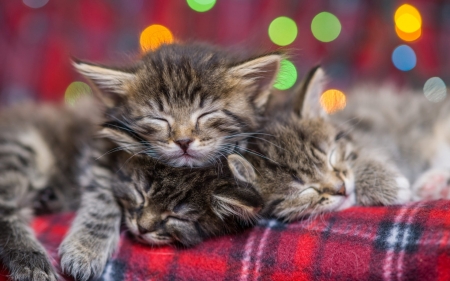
x=404 y=58
x=201 y=5
x=283 y=31
x=154 y=36
x=408 y=23
x=35 y=3
x=325 y=27
x=408 y=36
x=333 y=100
x=75 y=91
x=407 y=18
x=286 y=76
x=435 y=89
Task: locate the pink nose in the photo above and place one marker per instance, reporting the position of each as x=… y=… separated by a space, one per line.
x=183 y=144
x=341 y=190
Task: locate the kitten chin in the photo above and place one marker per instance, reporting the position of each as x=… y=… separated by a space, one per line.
x=184 y=104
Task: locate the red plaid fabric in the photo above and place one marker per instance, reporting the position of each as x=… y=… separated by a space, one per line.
x=409 y=242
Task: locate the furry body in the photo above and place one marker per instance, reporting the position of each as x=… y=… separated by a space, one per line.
x=314 y=163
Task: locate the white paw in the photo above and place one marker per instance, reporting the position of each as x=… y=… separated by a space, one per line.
x=404 y=191
x=81 y=261
x=432 y=185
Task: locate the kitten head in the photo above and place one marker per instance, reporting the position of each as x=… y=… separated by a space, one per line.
x=165 y=205
x=309 y=170
x=185 y=105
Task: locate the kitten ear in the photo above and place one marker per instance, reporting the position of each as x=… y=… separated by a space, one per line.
x=112 y=83
x=241 y=168
x=242 y=202
x=308 y=93
x=259 y=75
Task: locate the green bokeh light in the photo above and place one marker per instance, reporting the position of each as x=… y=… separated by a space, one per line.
x=283 y=31
x=75 y=91
x=201 y=5
x=287 y=76
x=325 y=27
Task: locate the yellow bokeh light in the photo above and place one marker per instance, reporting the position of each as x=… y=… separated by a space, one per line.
x=332 y=101
x=154 y=36
x=407 y=19
x=408 y=36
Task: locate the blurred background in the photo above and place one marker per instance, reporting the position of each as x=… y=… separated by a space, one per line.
x=402 y=42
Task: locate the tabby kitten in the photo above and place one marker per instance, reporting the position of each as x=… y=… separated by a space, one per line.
x=313 y=165
x=184 y=104
x=160 y=205
x=42 y=150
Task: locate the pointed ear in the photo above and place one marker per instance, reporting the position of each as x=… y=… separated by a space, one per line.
x=241 y=168
x=308 y=93
x=259 y=75
x=112 y=83
x=241 y=202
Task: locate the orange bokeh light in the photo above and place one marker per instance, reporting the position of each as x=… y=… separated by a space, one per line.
x=332 y=101
x=408 y=23
x=154 y=36
x=408 y=36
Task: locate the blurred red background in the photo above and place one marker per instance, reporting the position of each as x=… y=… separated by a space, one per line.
x=36 y=43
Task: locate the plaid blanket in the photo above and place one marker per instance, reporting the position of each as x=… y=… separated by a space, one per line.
x=410 y=242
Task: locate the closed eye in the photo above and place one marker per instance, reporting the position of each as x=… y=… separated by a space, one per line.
x=297 y=179
x=205 y=114
x=177 y=218
x=161 y=119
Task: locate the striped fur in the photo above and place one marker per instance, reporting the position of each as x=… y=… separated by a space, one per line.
x=40 y=152
x=184 y=206
x=192 y=93
x=312 y=165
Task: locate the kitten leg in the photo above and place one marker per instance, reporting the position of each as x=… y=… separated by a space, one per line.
x=379 y=183
x=94 y=234
x=20 y=252
x=432 y=185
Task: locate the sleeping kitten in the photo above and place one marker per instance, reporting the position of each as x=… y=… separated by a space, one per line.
x=165 y=205
x=413 y=131
x=42 y=150
x=313 y=165
x=186 y=105
x=160 y=205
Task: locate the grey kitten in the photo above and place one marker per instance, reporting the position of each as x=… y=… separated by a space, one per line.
x=184 y=104
x=313 y=164
x=42 y=150
x=165 y=205
x=413 y=131
x=160 y=205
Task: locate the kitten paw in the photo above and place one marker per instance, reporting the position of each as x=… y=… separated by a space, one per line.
x=30 y=265
x=81 y=262
x=404 y=191
x=432 y=185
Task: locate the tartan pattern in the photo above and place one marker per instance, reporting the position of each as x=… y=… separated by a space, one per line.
x=410 y=242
